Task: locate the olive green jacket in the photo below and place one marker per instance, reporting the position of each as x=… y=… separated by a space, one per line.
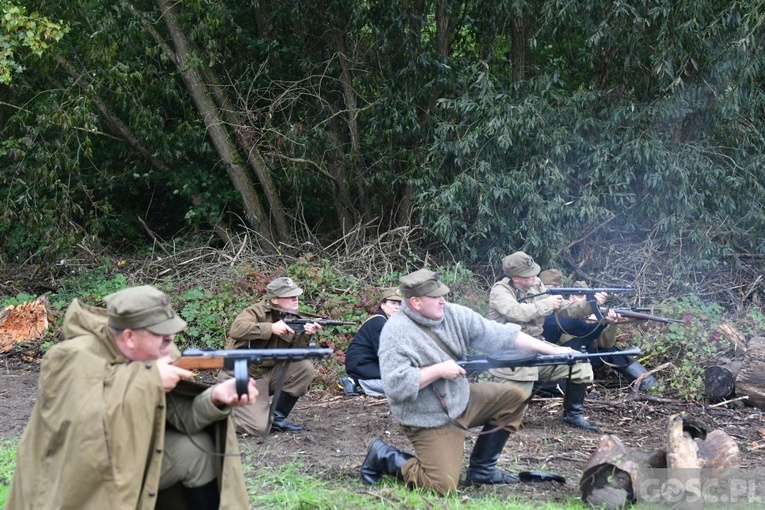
x=253 y=329
x=96 y=433
x=530 y=315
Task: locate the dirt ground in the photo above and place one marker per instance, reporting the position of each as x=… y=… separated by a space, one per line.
x=339 y=428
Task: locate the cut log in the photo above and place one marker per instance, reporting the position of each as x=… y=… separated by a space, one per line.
x=612 y=473
x=26 y=322
x=616 y=476
x=720 y=381
x=750 y=381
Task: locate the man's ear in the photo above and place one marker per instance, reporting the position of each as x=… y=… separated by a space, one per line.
x=414 y=303
x=129 y=339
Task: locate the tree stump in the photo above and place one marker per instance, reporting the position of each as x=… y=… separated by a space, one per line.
x=751 y=378
x=720 y=381
x=614 y=473
x=26 y=322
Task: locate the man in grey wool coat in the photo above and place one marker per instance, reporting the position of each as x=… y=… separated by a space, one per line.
x=432 y=399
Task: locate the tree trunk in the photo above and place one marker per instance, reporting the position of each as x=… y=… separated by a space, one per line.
x=338 y=170
x=519 y=33
x=751 y=378
x=351 y=115
x=214 y=123
x=254 y=157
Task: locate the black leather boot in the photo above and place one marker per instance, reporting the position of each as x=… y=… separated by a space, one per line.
x=550 y=389
x=348 y=385
x=573 y=404
x=382 y=459
x=283 y=408
x=204 y=497
x=483 y=460
x=635 y=370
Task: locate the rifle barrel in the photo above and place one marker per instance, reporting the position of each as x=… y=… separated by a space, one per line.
x=626 y=312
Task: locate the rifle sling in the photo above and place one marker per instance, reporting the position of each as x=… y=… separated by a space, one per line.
x=440 y=343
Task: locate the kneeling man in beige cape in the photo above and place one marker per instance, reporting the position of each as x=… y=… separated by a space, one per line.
x=116 y=425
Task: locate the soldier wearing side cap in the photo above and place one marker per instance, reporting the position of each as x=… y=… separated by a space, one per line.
x=116 y=426
x=361 y=361
x=262 y=326
x=430 y=396
x=521 y=280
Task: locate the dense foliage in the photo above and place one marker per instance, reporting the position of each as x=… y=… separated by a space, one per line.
x=495 y=125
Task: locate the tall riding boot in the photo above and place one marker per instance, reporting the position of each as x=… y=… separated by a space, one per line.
x=483 y=459
x=283 y=408
x=573 y=403
x=635 y=370
x=204 y=497
x=382 y=459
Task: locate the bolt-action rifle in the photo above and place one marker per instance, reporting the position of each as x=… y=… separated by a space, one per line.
x=514 y=359
x=239 y=360
x=580 y=291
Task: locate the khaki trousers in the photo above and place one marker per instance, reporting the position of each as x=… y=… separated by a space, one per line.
x=524 y=377
x=253 y=419
x=189 y=460
x=439 y=450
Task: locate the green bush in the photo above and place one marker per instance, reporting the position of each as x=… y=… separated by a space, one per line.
x=689 y=347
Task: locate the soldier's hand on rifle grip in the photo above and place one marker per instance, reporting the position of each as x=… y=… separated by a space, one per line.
x=280 y=328
x=224 y=394
x=612 y=316
x=600 y=297
x=312 y=327
x=555 y=301
x=451 y=370
x=170 y=374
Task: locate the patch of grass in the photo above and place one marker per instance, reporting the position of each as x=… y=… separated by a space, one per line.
x=290 y=486
x=8 y=449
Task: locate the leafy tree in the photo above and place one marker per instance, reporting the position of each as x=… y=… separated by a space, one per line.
x=19 y=32
x=606 y=135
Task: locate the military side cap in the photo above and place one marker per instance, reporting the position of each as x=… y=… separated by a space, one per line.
x=390 y=294
x=581 y=283
x=551 y=277
x=520 y=264
x=143 y=307
x=282 y=287
x=423 y=283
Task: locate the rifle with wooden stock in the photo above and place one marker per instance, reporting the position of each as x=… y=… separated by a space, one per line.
x=239 y=360
x=514 y=359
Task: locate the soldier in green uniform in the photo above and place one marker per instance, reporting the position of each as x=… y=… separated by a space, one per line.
x=262 y=326
x=521 y=280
